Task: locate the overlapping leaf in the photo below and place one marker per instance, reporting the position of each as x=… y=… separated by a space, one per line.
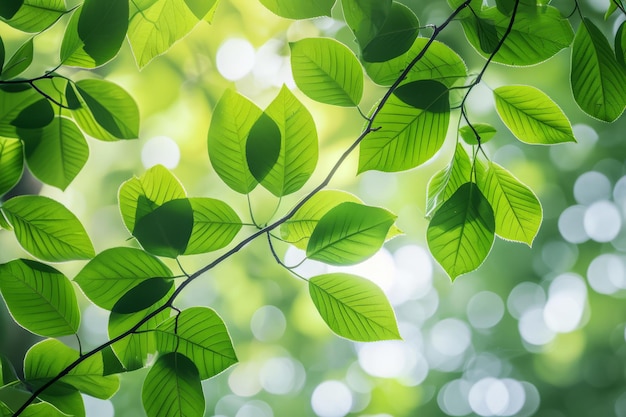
x=299 y=9
x=485 y=131
x=395 y=37
x=215 y=225
x=11 y=163
x=199 y=334
x=532 y=116
x=36 y=15
x=445 y=182
x=19 y=61
x=461 y=232
x=353 y=307
x=47 y=229
x=327 y=71
x=13 y=100
x=263 y=146
x=40 y=298
x=365 y=17
x=172 y=388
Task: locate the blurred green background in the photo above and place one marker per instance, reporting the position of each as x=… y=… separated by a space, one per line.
x=535 y=331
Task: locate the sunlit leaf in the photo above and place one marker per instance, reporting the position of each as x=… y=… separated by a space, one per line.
x=201 y=8
x=2 y=55
x=233 y=117
x=298 y=149
x=107 y=111
x=485 y=131
x=68 y=402
x=166 y=230
x=47 y=359
x=598 y=81
x=98 y=17
x=37 y=115
x=113 y=272
x=11 y=163
x=73 y=48
x=395 y=37
x=612 y=8
x=47 y=229
x=199 y=334
x=19 y=61
x=35 y=15
x=145 y=294
x=173 y=388
x=408 y=137
x=41 y=409
x=354 y=307
x=7 y=371
x=56 y=153
x=461 y=233
x=299 y=9
x=143 y=195
x=8 y=8
x=40 y=298
x=349 y=233
x=444 y=183
x=366 y=17
x=327 y=71
x=13 y=100
x=263 y=146
x=620 y=44
x=518 y=212
x=532 y=116
x=487 y=35
x=215 y=225
x=428 y=95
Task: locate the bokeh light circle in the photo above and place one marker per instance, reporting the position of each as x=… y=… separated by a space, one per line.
x=602 y=221
x=235 y=59
x=160 y=150
x=331 y=399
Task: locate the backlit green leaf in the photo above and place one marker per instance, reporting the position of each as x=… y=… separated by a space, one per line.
x=201 y=8
x=47 y=229
x=68 y=402
x=428 y=95
x=166 y=230
x=113 y=272
x=445 y=182
x=21 y=59
x=298 y=154
x=297 y=230
x=11 y=163
x=199 y=334
x=215 y=225
x=40 y=298
x=395 y=37
x=145 y=294
x=233 y=117
x=598 y=81
x=612 y=8
x=41 y=409
x=98 y=17
x=487 y=35
x=349 y=233
x=8 y=8
x=327 y=71
x=172 y=388
x=2 y=55
x=532 y=116
x=73 y=48
x=37 y=115
x=143 y=195
x=7 y=372
x=107 y=111
x=485 y=131
x=461 y=233
x=620 y=44
x=47 y=359
x=408 y=137
x=56 y=153
x=517 y=210
x=299 y=9
x=354 y=307
x=263 y=146
x=366 y=17
x=36 y=15
x=13 y=100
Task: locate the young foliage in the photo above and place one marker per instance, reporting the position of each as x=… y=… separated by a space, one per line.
x=11 y=163
x=299 y=10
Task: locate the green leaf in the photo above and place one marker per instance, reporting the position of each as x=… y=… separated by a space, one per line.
x=517 y=209
x=107 y=111
x=41 y=409
x=199 y=334
x=461 y=233
x=233 y=117
x=612 y=8
x=12 y=397
x=56 y=153
x=201 y=8
x=133 y=350
x=11 y=163
x=408 y=137
x=37 y=115
x=143 y=195
x=47 y=229
x=445 y=182
x=439 y=63
x=13 y=100
x=113 y=272
x=534 y=38
x=7 y=372
x=40 y=298
x=366 y=17
x=2 y=55
x=166 y=230
x=349 y=233
x=47 y=359
x=299 y=9
x=70 y=403
x=298 y=154
x=484 y=131
x=145 y=294
x=263 y=146
x=428 y=95
x=532 y=116
x=8 y=8
x=598 y=81
x=156 y=25
x=36 y=15
x=173 y=388
x=297 y=230
x=98 y=17
x=354 y=307
x=215 y=225
x=620 y=44
x=327 y=71
x=21 y=59
x=73 y=48
x=395 y=37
